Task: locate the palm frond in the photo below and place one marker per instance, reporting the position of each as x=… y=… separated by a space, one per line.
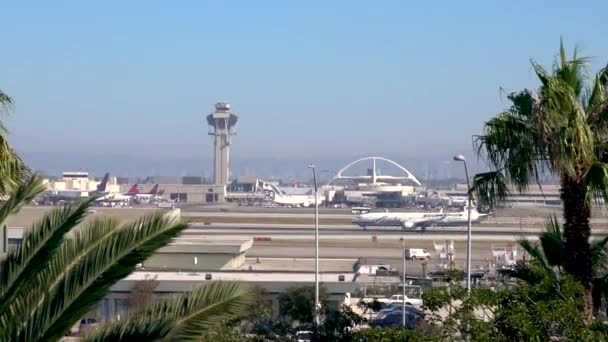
x=181 y=318
x=72 y=252
x=6 y=105
x=91 y=269
x=595 y=180
x=599 y=255
x=511 y=144
x=571 y=71
x=24 y=194
x=552 y=242
x=490 y=188
x=525 y=273
x=5 y=100
x=13 y=171
x=562 y=122
x=598 y=293
x=38 y=245
x=533 y=249
x=138 y=329
x=597 y=103
x=541 y=73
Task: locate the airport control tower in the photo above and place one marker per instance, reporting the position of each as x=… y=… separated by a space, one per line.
x=221 y=127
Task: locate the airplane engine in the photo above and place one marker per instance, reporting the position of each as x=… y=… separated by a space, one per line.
x=408 y=224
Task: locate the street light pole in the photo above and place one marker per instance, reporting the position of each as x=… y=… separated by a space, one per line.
x=403 y=280
x=314 y=177
x=461 y=158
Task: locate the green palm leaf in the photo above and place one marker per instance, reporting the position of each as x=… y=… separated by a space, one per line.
x=34 y=292
x=597 y=103
x=38 y=244
x=181 y=318
x=84 y=269
x=490 y=188
x=23 y=194
x=533 y=249
x=552 y=243
x=599 y=254
x=524 y=273
x=596 y=182
x=13 y=170
x=6 y=104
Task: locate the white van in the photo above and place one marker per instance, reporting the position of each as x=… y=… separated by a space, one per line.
x=417 y=254
x=360 y=210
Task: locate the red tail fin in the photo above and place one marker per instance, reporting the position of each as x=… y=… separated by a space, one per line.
x=133 y=190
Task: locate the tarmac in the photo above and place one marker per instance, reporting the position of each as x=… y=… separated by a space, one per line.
x=284 y=238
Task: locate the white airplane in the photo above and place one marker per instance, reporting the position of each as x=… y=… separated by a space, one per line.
x=416 y=220
x=120 y=197
x=148 y=196
x=282 y=199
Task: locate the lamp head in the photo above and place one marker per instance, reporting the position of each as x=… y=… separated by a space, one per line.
x=459 y=157
x=311 y=165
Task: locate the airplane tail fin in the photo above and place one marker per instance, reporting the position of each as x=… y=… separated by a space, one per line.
x=154 y=190
x=133 y=190
x=161 y=192
x=104 y=182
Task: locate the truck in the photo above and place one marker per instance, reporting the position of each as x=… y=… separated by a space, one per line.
x=413 y=296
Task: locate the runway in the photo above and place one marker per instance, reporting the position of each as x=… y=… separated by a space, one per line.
x=380 y=245
x=304 y=218
x=376 y=245
x=295 y=232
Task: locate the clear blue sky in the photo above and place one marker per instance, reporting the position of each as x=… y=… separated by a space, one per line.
x=310 y=78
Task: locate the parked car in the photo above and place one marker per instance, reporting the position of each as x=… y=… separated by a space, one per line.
x=393 y=306
x=413 y=318
x=303 y=336
x=87 y=323
x=413 y=296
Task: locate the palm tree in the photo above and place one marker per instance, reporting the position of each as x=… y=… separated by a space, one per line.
x=59 y=272
x=13 y=170
x=182 y=318
x=562 y=130
x=547 y=259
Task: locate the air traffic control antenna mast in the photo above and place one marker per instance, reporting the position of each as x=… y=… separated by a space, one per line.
x=221 y=127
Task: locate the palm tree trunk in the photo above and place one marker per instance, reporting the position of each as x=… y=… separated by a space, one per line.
x=577 y=230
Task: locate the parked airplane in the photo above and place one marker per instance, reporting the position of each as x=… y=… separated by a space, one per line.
x=414 y=220
x=280 y=198
x=101 y=187
x=128 y=196
x=147 y=196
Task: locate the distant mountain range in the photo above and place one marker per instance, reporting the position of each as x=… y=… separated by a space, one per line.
x=289 y=168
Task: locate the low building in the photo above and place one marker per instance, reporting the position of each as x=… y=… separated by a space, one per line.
x=200 y=254
x=116 y=304
x=547 y=194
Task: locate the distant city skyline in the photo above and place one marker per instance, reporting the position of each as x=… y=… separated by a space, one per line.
x=286 y=169
x=310 y=81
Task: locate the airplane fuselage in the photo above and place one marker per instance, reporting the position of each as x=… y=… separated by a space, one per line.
x=416 y=219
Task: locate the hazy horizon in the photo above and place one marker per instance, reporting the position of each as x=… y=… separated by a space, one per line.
x=53 y=163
